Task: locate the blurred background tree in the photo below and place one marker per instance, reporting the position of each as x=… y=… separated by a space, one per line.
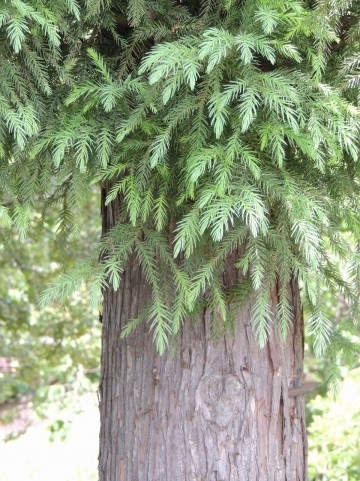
x=47 y=354
x=334 y=440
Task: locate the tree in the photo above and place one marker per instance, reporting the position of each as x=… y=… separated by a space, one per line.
x=225 y=144
x=334 y=447
x=51 y=355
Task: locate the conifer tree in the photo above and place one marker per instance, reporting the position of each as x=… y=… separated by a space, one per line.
x=224 y=139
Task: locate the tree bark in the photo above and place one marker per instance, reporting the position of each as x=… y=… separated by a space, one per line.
x=209 y=409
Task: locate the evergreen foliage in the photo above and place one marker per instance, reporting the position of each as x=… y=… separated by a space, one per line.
x=222 y=126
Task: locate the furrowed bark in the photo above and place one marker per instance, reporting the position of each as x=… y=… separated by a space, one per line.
x=208 y=409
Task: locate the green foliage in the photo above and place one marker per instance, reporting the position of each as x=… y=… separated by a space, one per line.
x=334 y=434
x=221 y=127
x=42 y=351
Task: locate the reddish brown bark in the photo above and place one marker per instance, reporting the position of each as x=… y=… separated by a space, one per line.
x=207 y=410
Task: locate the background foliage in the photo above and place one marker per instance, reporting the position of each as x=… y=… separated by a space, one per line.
x=334 y=434
x=47 y=354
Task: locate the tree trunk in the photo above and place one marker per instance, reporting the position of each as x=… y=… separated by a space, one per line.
x=208 y=409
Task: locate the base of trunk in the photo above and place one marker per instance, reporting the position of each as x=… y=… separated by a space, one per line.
x=209 y=409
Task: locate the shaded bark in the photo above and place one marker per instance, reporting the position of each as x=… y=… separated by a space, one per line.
x=209 y=409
